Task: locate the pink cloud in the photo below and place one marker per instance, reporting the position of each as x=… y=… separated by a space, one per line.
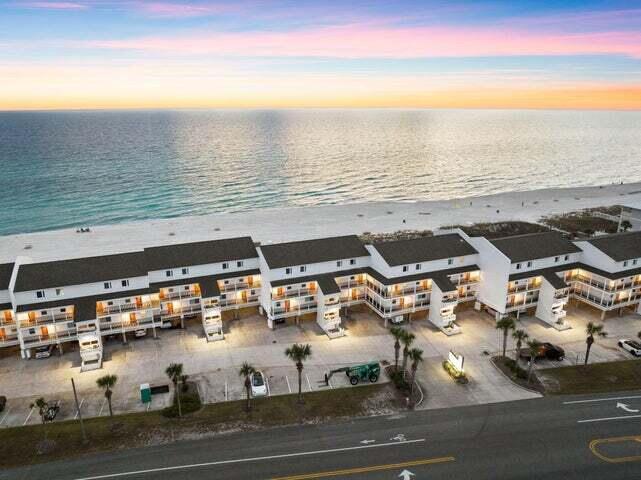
x=376 y=41
x=54 y=5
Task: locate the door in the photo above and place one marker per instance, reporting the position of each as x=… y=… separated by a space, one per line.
x=243 y=296
x=44 y=332
x=354 y=294
x=138 y=302
x=3 y=336
x=280 y=291
x=170 y=308
x=7 y=316
x=287 y=305
x=132 y=319
x=401 y=303
x=250 y=280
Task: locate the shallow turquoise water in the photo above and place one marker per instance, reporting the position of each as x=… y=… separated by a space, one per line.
x=64 y=169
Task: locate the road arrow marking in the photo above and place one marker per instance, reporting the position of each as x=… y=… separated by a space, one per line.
x=406 y=475
x=367 y=442
x=624 y=407
x=399 y=438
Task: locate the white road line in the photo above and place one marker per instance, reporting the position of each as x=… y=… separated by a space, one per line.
x=247 y=460
x=308 y=383
x=269 y=393
x=29 y=416
x=82 y=400
x=226 y=394
x=288 y=385
x=600 y=400
x=590 y=420
x=102 y=407
x=5 y=415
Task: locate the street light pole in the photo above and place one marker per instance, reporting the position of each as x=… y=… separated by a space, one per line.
x=82 y=425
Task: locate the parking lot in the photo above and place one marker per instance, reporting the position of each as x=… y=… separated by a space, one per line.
x=214 y=366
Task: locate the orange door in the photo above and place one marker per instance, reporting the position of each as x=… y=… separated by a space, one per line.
x=244 y=296
x=354 y=294
x=44 y=331
x=170 y=307
x=139 y=302
x=287 y=305
x=280 y=291
x=132 y=318
x=250 y=280
x=7 y=316
x=2 y=335
x=401 y=302
x=32 y=317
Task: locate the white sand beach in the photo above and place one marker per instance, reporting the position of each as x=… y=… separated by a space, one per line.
x=285 y=224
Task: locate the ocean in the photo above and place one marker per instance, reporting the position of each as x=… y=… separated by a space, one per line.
x=85 y=168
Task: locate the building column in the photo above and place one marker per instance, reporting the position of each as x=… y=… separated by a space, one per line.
x=602 y=314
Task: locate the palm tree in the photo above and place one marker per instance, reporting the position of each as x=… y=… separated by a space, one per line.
x=107 y=383
x=416 y=355
x=245 y=371
x=520 y=336
x=299 y=353
x=43 y=407
x=506 y=324
x=407 y=339
x=592 y=329
x=534 y=347
x=397 y=333
x=175 y=372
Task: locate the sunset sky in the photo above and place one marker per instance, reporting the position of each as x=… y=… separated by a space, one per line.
x=262 y=53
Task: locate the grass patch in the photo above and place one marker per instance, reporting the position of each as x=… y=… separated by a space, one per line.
x=499 y=229
x=584 y=222
x=369 y=237
x=593 y=378
x=18 y=445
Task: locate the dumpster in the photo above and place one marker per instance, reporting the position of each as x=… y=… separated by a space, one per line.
x=145 y=393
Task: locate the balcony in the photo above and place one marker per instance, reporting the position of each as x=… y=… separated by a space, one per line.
x=230 y=287
x=44 y=319
x=449 y=300
x=248 y=301
x=126 y=307
x=182 y=310
x=299 y=309
x=37 y=340
x=191 y=293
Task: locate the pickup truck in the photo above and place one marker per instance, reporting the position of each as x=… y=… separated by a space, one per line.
x=546 y=350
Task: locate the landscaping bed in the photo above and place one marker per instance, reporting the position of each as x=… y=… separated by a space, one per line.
x=369 y=237
x=153 y=428
x=515 y=372
x=618 y=376
x=584 y=223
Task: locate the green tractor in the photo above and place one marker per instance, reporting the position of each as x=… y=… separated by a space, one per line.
x=369 y=371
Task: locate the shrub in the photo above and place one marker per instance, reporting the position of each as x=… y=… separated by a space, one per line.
x=460 y=377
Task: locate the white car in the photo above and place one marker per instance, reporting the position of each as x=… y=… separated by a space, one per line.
x=140 y=333
x=631 y=346
x=259 y=388
x=43 y=352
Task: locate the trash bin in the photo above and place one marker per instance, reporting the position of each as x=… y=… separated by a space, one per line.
x=145 y=393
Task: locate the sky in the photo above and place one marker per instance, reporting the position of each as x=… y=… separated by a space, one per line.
x=76 y=54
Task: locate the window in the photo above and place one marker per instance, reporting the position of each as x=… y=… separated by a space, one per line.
x=127 y=300
x=223 y=296
x=625 y=264
x=566 y=258
x=59 y=292
x=110 y=303
x=169 y=273
x=518 y=266
x=289 y=287
x=556 y=259
x=185 y=271
x=187 y=288
x=634 y=262
x=339 y=263
x=405 y=268
x=352 y=261
x=125 y=283
x=226 y=282
x=418 y=266
x=302 y=268
x=288 y=271
x=63 y=310
x=225 y=266
x=107 y=285
x=529 y=264
x=450 y=261
x=40 y=294
x=239 y=263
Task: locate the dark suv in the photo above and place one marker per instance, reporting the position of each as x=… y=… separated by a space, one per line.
x=546 y=350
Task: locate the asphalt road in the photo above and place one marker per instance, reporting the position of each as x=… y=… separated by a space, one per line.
x=554 y=437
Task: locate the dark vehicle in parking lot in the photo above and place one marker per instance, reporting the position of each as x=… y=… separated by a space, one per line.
x=3 y=402
x=546 y=350
x=44 y=351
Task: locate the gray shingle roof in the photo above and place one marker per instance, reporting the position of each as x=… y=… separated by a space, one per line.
x=313 y=251
x=6 y=269
x=619 y=246
x=200 y=253
x=533 y=246
x=424 y=249
x=77 y=271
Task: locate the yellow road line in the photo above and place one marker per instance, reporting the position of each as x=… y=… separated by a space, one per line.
x=374 y=468
x=595 y=443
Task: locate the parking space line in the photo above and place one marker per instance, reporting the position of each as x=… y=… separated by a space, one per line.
x=289 y=387
x=226 y=393
x=29 y=416
x=269 y=393
x=102 y=407
x=308 y=383
x=82 y=400
x=5 y=416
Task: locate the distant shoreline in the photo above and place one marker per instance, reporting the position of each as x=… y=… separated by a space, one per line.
x=271 y=225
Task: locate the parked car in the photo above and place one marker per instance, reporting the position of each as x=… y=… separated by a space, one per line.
x=44 y=351
x=51 y=412
x=546 y=350
x=398 y=319
x=259 y=388
x=631 y=346
x=140 y=333
x=3 y=402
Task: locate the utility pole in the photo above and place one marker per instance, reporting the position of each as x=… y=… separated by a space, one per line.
x=82 y=425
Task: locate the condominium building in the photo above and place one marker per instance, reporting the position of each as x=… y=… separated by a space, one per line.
x=8 y=328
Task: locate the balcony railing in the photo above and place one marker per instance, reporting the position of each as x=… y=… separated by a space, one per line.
x=294 y=292
x=126 y=325
x=126 y=307
x=44 y=319
x=56 y=337
x=182 y=310
x=179 y=294
x=230 y=287
x=282 y=311
x=238 y=301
